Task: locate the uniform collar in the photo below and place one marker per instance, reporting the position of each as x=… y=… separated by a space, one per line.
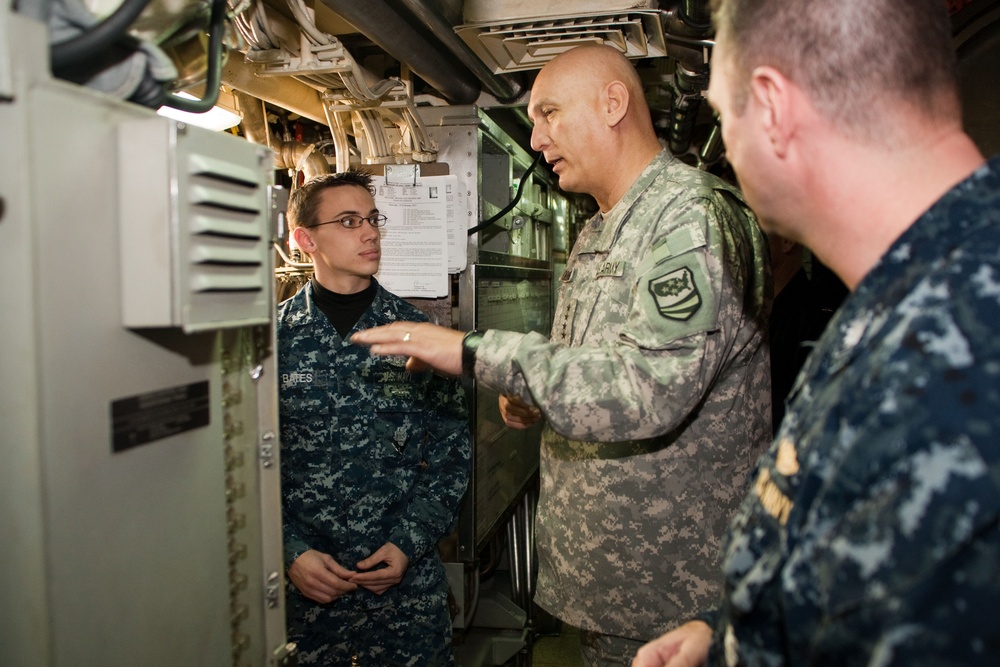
x=303 y=310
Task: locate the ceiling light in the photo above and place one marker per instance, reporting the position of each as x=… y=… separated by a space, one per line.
x=215 y=118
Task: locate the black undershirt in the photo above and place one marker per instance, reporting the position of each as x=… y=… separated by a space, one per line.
x=343 y=310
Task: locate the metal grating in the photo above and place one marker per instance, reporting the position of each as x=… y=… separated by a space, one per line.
x=224 y=209
x=195 y=226
x=508 y=46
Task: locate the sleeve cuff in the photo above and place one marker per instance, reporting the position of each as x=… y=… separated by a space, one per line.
x=294 y=548
x=709 y=617
x=470 y=343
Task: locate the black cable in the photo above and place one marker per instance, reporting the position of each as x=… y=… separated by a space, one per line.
x=116 y=53
x=509 y=207
x=149 y=93
x=93 y=42
x=213 y=78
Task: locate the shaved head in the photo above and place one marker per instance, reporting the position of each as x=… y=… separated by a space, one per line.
x=599 y=63
x=592 y=122
x=590 y=68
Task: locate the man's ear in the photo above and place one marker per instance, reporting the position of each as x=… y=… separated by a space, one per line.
x=616 y=102
x=304 y=239
x=771 y=93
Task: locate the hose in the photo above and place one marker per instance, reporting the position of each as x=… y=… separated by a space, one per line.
x=509 y=207
x=213 y=78
x=85 y=46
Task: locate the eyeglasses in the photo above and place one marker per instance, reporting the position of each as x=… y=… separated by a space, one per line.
x=354 y=221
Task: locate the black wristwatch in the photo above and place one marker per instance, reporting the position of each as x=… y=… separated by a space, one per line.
x=470 y=342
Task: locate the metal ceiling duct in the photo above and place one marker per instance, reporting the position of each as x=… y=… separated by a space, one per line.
x=517 y=35
x=505 y=87
x=396 y=36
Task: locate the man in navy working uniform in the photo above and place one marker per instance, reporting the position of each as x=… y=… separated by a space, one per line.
x=374 y=460
x=870 y=534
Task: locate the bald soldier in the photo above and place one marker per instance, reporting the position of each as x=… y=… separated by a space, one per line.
x=654 y=385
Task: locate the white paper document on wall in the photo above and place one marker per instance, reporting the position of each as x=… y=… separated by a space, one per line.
x=459 y=216
x=419 y=234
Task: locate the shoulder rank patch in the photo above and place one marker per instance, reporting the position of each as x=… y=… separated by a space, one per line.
x=676 y=294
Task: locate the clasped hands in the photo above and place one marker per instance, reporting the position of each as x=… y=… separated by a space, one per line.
x=322 y=579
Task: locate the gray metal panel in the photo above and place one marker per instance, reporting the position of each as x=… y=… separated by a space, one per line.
x=135 y=542
x=253 y=500
x=24 y=618
x=506 y=460
x=110 y=558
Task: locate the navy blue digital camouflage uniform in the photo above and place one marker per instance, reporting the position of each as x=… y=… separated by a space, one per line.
x=370 y=454
x=871 y=536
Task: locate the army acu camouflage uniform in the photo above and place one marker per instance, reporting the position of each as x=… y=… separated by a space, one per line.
x=871 y=535
x=655 y=387
x=370 y=454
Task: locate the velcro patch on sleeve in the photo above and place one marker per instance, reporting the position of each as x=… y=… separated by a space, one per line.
x=676 y=294
x=680 y=241
x=676 y=298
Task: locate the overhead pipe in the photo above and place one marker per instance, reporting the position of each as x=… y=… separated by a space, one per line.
x=505 y=88
x=691 y=73
x=684 y=114
x=213 y=76
x=283 y=91
x=712 y=149
x=396 y=36
x=697 y=14
x=287 y=154
x=96 y=39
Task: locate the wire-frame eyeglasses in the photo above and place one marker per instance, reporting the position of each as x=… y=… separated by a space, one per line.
x=354 y=221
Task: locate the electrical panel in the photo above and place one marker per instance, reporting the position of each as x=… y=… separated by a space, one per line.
x=141 y=521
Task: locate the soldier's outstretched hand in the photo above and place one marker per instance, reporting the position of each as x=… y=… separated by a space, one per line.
x=381 y=579
x=427 y=345
x=319 y=577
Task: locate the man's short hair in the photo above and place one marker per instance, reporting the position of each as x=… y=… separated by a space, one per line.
x=856 y=59
x=304 y=200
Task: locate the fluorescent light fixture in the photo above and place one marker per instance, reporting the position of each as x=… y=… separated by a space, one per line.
x=215 y=118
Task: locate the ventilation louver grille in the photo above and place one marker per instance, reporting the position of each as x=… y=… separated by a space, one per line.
x=509 y=46
x=223 y=215
x=196 y=249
